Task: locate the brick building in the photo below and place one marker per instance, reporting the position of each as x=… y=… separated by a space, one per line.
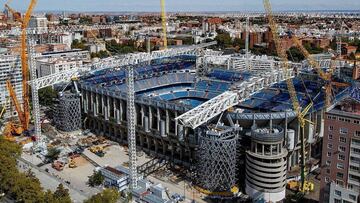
x=340 y=167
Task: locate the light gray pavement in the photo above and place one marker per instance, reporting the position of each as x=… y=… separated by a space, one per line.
x=49 y=182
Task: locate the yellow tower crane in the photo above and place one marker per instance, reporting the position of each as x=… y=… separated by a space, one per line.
x=301 y=114
x=326 y=76
x=163 y=22
x=24 y=113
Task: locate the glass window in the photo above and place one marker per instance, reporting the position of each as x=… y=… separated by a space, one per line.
x=357 y=133
x=328 y=162
x=355 y=150
x=331 y=127
x=338 y=193
x=340 y=166
x=341 y=157
x=339 y=175
x=340 y=182
x=342 y=139
x=330 y=146
x=343 y=130
x=355 y=159
x=327 y=179
x=352 y=197
x=342 y=148
x=329 y=154
x=330 y=137
x=355 y=168
x=355 y=142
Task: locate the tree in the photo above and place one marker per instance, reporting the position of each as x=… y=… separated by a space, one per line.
x=62 y=194
x=47 y=96
x=294 y=54
x=239 y=42
x=312 y=49
x=23 y=187
x=76 y=44
x=223 y=39
x=96 y=179
x=106 y=196
x=53 y=154
x=26 y=189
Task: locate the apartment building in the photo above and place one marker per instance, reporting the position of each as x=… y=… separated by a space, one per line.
x=10 y=69
x=340 y=171
x=50 y=66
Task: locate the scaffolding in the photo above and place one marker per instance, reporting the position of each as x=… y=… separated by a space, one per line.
x=68 y=112
x=217 y=156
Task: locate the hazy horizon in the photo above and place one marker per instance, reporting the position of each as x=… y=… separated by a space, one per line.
x=186 y=5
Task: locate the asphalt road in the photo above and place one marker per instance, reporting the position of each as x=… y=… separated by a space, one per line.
x=50 y=182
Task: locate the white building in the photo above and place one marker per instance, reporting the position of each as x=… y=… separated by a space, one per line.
x=341 y=194
x=40 y=23
x=115 y=177
x=50 y=66
x=10 y=69
x=96 y=47
x=70 y=54
x=119 y=178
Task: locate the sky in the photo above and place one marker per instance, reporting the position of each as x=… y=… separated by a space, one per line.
x=185 y=5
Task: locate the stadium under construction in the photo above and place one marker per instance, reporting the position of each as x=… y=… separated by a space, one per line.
x=226 y=118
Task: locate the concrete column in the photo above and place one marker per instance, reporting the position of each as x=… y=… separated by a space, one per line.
x=176 y=125
x=108 y=106
x=84 y=100
x=150 y=117
x=105 y=107
x=121 y=110
x=158 y=118
x=102 y=99
x=95 y=104
x=114 y=109
x=142 y=116
x=167 y=122
x=117 y=116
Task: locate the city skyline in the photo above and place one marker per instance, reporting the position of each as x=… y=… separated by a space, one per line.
x=185 y=5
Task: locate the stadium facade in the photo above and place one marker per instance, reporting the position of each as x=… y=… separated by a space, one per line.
x=235 y=148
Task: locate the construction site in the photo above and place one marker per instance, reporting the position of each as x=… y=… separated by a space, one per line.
x=238 y=127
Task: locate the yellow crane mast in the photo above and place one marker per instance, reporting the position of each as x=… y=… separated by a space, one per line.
x=301 y=114
x=24 y=113
x=326 y=76
x=163 y=22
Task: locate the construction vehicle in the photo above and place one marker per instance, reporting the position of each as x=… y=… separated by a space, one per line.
x=72 y=163
x=295 y=186
x=58 y=165
x=301 y=113
x=24 y=112
x=98 y=150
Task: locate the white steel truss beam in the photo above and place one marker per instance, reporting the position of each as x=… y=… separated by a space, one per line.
x=128 y=61
x=214 y=107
